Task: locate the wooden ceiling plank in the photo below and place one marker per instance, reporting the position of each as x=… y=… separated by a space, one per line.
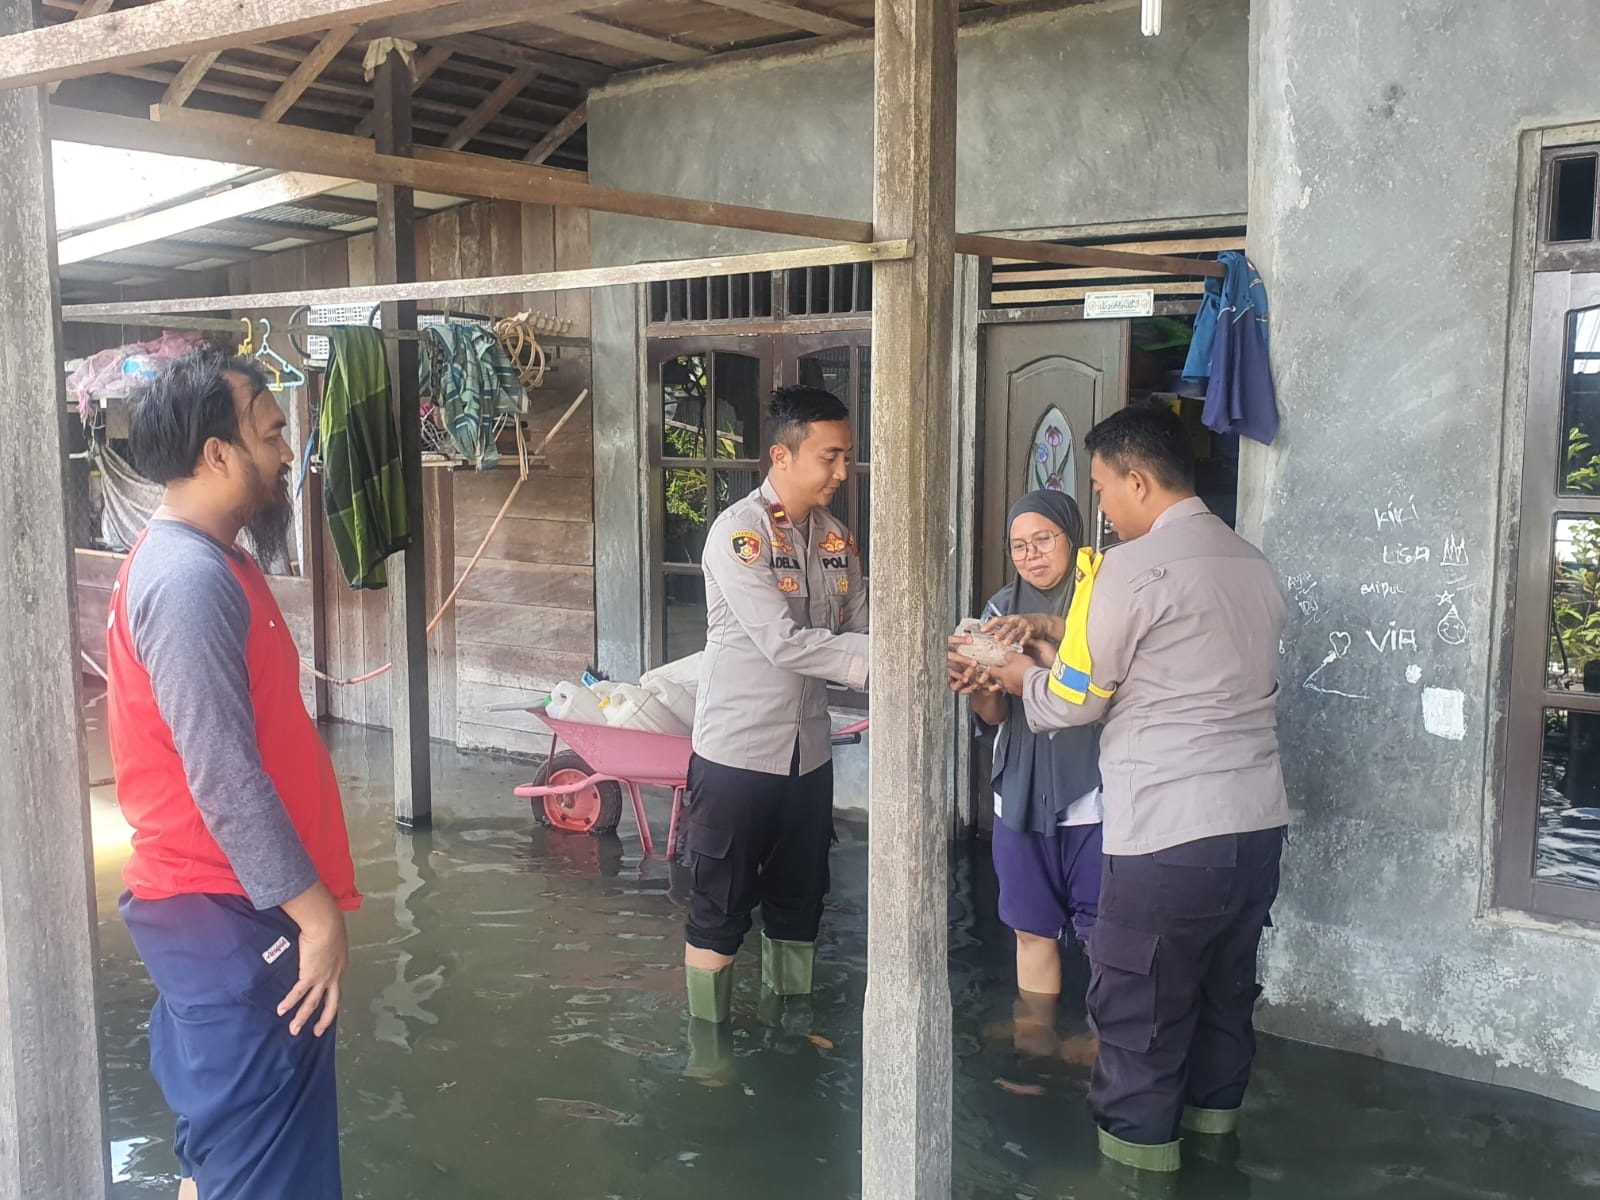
x=470 y=16
x=513 y=54
x=557 y=137
x=794 y=16
x=620 y=37
x=188 y=78
x=491 y=107
x=169 y=29
x=305 y=74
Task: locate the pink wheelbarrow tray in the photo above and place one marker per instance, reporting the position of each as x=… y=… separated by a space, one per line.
x=578 y=790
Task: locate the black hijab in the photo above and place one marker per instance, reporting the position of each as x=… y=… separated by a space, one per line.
x=1038 y=776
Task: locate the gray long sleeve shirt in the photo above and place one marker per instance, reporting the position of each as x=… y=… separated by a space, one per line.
x=190 y=621
x=1183 y=629
x=786 y=614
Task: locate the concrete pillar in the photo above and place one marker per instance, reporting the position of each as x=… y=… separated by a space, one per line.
x=906 y=1101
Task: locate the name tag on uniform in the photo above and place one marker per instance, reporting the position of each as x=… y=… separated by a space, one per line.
x=274 y=952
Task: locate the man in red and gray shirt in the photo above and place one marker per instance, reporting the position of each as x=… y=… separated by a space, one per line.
x=241 y=869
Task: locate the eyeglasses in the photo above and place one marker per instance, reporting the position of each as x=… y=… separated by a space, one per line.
x=1042 y=543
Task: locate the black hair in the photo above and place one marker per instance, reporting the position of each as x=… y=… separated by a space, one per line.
x=189 y=402
x=796 y=408
x=1149 y=437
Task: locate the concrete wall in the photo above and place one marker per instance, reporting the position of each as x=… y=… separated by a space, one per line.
x=1383 y=197
x=1051 y=133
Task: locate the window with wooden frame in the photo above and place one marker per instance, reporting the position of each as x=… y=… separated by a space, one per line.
x=707 y=403
x=1549 y=852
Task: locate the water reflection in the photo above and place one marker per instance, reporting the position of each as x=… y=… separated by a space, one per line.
x=515 y=1027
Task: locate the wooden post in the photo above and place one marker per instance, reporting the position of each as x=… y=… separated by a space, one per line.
x=396 y=262
x=52 y=1122
x=906 y=1099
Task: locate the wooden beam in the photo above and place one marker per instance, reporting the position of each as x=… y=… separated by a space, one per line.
x=92 y=8
x=230 y=139
x=501 y=285
x=424 y=70
x=906 y=1091
x=52 y=1115
x=557 y=137
x=395 y=253
x=188 y=79
x=794 y=16
x=1158 y=246
x=196 y=214
x=604 y=33
x=193 y=134
x=493 y=104
x=514 y=54
x=469 y=16
x=170 y=29
x=327 y=49
x=1083 y=256
x=1010 y=296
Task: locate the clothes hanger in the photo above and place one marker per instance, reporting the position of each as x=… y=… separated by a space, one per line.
x=287 y=374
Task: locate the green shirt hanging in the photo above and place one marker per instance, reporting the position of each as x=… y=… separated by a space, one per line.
x=362 y=478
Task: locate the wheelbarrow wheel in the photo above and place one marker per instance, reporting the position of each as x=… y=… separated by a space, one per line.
x=595 y=809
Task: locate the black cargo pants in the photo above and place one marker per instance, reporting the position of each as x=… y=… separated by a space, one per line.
x=1173 y=985
x=757 y=839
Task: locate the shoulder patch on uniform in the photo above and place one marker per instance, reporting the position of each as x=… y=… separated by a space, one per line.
x=833 y=543
x=746 y=546
x=1145 y=578
x=789 y=584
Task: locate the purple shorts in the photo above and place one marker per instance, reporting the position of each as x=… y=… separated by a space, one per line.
x=1049 y=883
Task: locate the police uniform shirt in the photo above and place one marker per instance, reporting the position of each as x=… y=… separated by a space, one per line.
x=1183 y=628
x=786 y=614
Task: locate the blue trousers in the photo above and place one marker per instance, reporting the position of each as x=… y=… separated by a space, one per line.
x=257 y=1110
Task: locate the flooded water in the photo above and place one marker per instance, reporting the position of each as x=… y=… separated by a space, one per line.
x=514 y=1027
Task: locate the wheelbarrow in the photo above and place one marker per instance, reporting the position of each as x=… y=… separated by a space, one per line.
x=580 y=789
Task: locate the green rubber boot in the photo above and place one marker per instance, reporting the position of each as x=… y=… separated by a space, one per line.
x=786 y=966
x=710 y=1054
x=1211 y=1120
x=1164 y=1158
x=710 y=993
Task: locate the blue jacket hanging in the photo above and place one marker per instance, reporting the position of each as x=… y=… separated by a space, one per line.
x=1240 y=397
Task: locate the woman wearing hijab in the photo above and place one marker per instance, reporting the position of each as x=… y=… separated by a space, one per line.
x=1046 y=786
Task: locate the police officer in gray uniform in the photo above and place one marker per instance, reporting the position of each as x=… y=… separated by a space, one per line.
x=786 y=615
x=1182 y=624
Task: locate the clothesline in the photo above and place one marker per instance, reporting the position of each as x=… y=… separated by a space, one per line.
x=524 y=463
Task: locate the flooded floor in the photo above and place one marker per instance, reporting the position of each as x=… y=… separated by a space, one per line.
x=514 y=1027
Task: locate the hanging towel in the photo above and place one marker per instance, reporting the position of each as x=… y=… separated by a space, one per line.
x=1197 y=367
x=473 y=381
x=1241 y=397
x=361 y=465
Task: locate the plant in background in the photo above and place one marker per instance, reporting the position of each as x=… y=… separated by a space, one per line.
x=1585 y=478
x=1575 y=604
